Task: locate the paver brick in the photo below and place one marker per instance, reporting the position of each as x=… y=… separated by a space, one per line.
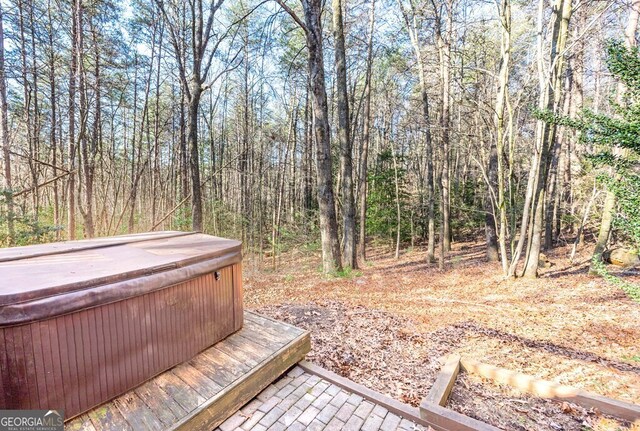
x=372 y=423
x=285 y=390
x=297 y=426
x=319 y=388
x=390 y=422
x=290 y=415
x=278 y=426
x=315 y=425
x=283 y=382
x=251 y=407
x=355 y=399
x=345 y=412
x=233 y=422
x=327 y=413
x=322 y=400
x=271 y=417
x=334 y=425
x=295 y=372
x=253 y=420
x=339 y=399
x=353 y=424
x=308 y=415
x=364 y=409
x=304 y=402
x=379 y=411
x=333 y=389
x=267 y=393
x=269 y=404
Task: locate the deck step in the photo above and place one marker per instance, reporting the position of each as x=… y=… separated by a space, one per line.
x=202 y=393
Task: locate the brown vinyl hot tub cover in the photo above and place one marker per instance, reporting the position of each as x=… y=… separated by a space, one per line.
x=83 y=322
x=42 y=281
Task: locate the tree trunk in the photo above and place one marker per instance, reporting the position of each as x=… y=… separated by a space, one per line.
x=412 y=29
x=71 y=183
x=364 y=155
x=4 y=138
x=312 y=26
x=54 y=120
x=547 y=133
x=490 y=219
x=194 y=157
x=344 y=138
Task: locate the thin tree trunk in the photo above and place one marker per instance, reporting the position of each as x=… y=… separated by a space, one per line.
x=501 y=102
x=364 y=155
x=4 y=138
x=71 y=184
x=344 y=138
x=412 y=29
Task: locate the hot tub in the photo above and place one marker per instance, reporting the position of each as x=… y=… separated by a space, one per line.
x=82 y=322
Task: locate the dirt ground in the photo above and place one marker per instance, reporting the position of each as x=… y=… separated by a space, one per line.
x=387 y=326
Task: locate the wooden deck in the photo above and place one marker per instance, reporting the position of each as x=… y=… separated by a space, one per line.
x=202 y=393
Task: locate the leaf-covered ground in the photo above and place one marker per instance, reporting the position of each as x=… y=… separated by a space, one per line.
x=387 y=326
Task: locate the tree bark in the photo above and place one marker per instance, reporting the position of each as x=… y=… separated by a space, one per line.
x=366 y=137
x=551 y=94
x=410 y=22
x=344 y=138
x=4 y=138
x=71 y=183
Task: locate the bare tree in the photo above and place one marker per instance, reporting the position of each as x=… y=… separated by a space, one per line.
x=312 y=27
x=4 y=136
x=346 y=145
x=366 y=138
x=194 y=64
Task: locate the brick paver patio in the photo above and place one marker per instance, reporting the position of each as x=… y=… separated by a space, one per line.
x=303 y=401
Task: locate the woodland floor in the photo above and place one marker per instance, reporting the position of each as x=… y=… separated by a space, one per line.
x=389 y=324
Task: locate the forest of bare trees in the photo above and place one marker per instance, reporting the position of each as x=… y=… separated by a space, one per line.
x=310 y=124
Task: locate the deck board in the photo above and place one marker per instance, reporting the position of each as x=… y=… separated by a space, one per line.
x=203 y=392
x=167 y=410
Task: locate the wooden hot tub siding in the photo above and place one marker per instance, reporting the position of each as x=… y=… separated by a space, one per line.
x=96 y=354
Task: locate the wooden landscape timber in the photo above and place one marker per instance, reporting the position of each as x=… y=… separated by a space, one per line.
x=433 y=410
x=445 y=380
x=432 y=407
x=442 y=418
x=546 y=389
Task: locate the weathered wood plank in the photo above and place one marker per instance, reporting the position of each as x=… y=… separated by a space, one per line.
x=181 y=392
x=108 y=418
x=273 y=326
x=136 y=413
x=81 y=423
x=443 y=419
x=165 y=408
x=217 y=409
x=547 y=389
x=252 y=331
x=198 y=381
x=439 y=392
x=245 y=349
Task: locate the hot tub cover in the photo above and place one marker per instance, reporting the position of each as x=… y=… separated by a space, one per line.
x=41 y=281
